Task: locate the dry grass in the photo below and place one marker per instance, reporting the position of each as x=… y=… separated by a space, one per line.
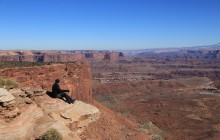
x=8 y=83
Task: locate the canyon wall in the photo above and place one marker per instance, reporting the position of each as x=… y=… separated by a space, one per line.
x=73 y=76
x=59 y=56
x=182 y=54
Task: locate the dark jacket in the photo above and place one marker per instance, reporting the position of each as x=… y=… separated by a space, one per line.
x=56 y=89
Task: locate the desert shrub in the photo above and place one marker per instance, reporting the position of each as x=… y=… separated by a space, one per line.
x=8 y=83
x=51 y=134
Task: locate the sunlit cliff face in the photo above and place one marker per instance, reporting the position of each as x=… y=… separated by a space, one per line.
x=59 y=56
x=75 y=77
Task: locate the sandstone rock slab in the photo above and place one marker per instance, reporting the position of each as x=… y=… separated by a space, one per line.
x=78 y=114
x=5 y=96
x=81 y=113
x=21 y=127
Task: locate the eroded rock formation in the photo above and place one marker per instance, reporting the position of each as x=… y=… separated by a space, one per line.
x=59 y=56
x=75 y=76
x=70 y=120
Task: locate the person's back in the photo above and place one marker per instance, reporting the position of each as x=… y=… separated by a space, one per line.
x=58 y=93
x=56 y=88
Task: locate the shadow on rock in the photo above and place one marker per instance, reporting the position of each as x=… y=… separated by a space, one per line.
x=50 y=94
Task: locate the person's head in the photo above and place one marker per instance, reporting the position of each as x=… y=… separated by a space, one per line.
x=57 y=81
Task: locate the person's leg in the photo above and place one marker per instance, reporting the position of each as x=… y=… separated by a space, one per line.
x=58 y=96
x=67 y=97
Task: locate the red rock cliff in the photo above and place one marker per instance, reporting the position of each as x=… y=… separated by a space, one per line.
x=74 y=76
x=59 y=56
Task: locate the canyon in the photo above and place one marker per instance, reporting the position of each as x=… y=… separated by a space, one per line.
x=59 y=56
x=141 y=94
x=85 y=119
x=177 y=90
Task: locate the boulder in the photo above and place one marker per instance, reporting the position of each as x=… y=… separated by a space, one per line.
x=29 y=92
x=27 y=100
x=17 y=92
x=5 y=96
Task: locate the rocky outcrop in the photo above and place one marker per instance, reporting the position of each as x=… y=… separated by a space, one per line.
x=22 y=120
x=69 y=119
x=74 y=76
x=77 y=116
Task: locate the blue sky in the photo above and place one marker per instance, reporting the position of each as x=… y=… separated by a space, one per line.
x=108 y=24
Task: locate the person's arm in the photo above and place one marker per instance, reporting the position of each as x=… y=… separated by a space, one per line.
x=65 y=90
x=61 y=90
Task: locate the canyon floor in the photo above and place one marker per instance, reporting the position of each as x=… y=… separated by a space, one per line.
x=180 y=98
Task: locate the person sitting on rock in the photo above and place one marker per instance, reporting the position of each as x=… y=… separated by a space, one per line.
x=58 y=93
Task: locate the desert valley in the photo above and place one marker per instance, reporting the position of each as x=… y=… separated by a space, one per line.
x=109 y=70
x=138 y=94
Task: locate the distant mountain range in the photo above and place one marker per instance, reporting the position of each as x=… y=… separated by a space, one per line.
x=163 y=50
x=210 y=52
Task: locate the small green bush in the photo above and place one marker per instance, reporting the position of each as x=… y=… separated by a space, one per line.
x=51 y=134
x=8 y=83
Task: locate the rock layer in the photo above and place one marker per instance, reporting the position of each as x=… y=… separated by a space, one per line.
x=74 y=76
x=59 y=56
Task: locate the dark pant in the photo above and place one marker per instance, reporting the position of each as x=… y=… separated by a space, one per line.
x=64 y=95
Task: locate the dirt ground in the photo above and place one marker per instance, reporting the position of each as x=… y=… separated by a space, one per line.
x=181 y=99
